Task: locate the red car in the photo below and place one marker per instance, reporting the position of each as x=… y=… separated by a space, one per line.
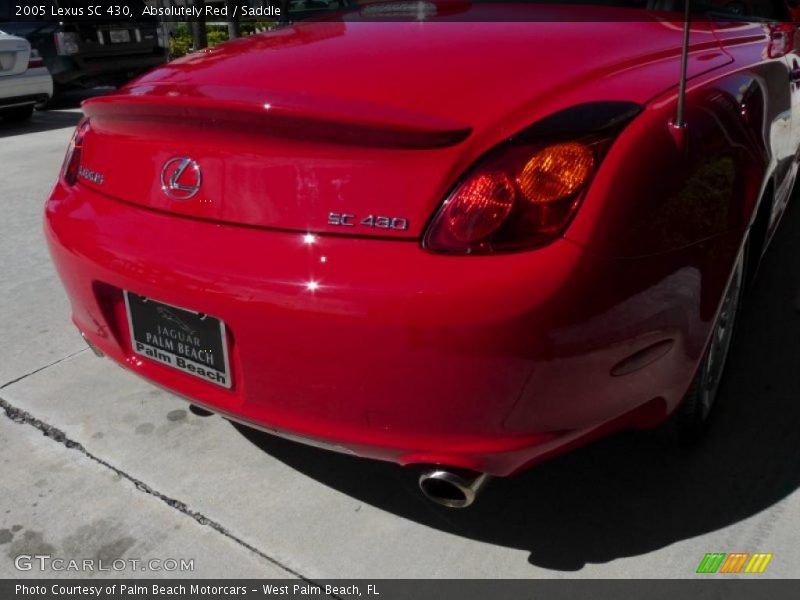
x=464 y=244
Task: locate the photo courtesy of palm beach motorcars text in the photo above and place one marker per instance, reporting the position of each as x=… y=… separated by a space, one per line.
x=399 y=299
x=161 y=590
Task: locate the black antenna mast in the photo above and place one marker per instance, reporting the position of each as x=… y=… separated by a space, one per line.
x=680 y=119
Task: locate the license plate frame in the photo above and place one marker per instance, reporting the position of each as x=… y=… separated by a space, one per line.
x=183 y=339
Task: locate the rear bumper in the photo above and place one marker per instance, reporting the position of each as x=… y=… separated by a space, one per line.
x=32 y=86
x=486 y=363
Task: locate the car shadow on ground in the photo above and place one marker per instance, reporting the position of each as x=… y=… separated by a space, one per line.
x=59 y=115
x=636 y=491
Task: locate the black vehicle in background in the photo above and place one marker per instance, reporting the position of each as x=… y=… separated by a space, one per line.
x=83 y=52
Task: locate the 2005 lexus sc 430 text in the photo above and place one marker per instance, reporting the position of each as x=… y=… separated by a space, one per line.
x=464 y=244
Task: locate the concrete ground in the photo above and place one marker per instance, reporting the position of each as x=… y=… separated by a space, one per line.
x=96 y=463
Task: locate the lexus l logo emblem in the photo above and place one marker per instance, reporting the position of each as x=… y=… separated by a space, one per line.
x=181 y=178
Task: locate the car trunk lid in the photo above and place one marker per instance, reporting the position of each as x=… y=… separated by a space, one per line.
x=359 y=128
x=14 y=55
x=281 y=161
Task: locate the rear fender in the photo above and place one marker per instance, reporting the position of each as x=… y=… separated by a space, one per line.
x=652 y=195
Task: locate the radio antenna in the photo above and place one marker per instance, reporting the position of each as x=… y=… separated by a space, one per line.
x=680 y=119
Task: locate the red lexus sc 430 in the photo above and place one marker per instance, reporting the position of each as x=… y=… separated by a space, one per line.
x=464 y=243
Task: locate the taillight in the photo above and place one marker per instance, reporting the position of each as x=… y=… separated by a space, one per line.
x=35 y=61
x=519 y=196
x=480 y=206
x=66 y=42
x=72 y=162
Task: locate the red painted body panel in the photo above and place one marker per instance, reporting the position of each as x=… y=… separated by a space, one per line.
x=398 y=354
x=488 y=362
x=293 y=166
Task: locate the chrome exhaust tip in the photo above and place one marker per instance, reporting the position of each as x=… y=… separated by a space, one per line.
x=97 y=352
x=451 y=489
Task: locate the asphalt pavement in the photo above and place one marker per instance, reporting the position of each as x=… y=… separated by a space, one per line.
x=96 y=463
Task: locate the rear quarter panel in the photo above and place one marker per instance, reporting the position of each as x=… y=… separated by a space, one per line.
x=655 y=195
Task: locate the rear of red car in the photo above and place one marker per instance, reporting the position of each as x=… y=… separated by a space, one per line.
x=369 y=249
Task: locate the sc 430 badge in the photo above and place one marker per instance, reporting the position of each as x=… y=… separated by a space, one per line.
x=372 y=221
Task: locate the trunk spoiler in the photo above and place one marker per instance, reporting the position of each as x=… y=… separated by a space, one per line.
x=288 y=114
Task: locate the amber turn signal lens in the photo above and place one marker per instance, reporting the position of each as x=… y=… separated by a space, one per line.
x=480 y=206
x=556 y=172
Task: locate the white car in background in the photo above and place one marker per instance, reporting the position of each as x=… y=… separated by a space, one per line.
x=24 y=80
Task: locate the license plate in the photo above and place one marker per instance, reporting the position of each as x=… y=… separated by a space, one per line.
x=183 y=339
x=119 y=36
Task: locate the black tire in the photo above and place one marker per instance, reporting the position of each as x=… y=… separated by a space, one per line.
x=17 y=114
x=692 y=417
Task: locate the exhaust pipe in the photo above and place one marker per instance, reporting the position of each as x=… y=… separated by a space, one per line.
x=451 y=489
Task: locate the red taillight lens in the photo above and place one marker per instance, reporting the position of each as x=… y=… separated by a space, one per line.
x=480 y=206
x=35 y=61
x=72 y=162
x=518 y=197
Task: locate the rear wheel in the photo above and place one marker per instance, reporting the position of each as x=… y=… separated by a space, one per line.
x=693 y=415
x=17 y=114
